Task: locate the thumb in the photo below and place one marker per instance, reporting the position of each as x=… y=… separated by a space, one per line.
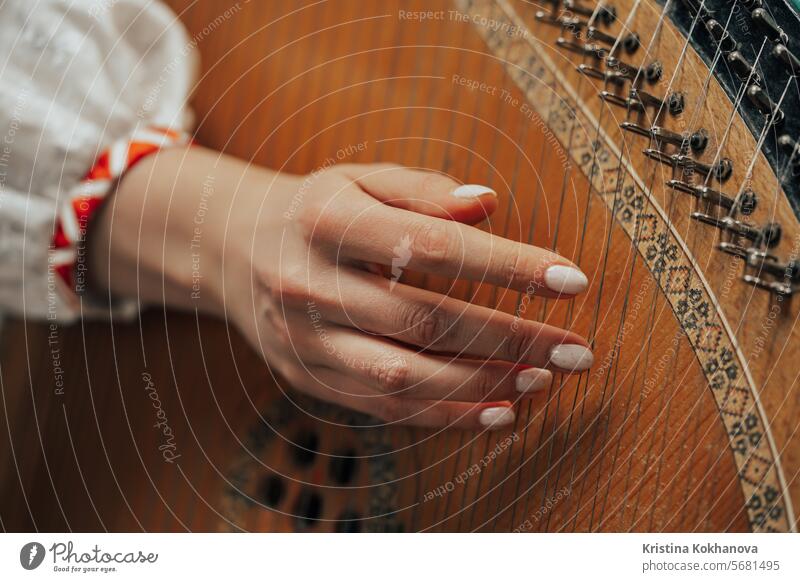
x=424 y=192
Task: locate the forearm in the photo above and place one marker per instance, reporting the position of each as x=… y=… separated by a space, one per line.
x=161 y=238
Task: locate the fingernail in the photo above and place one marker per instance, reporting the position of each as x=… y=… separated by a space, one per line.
x=563 y=279
x=496 y=417
x=533 y=379
x=571 y=357
x=472 y=191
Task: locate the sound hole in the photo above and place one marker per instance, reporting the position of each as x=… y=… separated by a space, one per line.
x=305 y=448
x=272 y=490
x=348 y=522
x=343 y=466
x=307 y=508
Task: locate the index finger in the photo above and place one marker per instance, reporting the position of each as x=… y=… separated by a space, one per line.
x=391 y=236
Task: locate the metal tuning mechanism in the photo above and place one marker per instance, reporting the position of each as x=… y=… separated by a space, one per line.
x=592 y=50
x=630 y=42
x=724 y=40
x=792 y=150
x=608 y=76
x=626 y=103
x=785 y=277
x=696 y=141
x=787 y=57
x=758 y=96
x=721 y=170
x=742 y=68
x=624 y=69
x=664 y=136
x=574 y=22
x=746 y=203
x=649 y=100
x=790 y=146
x=606 y=14
x=768 y=236
x=637 y=129
x=764 y=19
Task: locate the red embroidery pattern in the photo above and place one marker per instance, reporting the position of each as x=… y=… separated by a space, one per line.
x=87 y=196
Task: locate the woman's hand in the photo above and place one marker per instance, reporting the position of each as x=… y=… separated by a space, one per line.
x=308 y=269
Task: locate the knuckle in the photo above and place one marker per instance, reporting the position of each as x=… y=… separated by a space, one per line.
x=520 y=344
x=424 y=324
x=512 y=267
x=484 y=383
x=432 y=242
x=293 y=288
x=390 y=373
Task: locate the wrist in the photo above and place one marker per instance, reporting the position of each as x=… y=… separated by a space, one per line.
x=177 y=223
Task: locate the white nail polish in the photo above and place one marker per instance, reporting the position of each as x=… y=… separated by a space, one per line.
x=533 y=380
x=472 y=191
x=563 y=279
x=571 y=357
x=496 y=417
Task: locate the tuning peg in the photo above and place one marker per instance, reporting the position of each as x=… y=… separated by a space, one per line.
x=630 y=42
x=627 y=103
x=759 y=97
x=608 y=76
x=606 y=14
x=768 y=235
x=741 y=67
x=560 y=21
x=721 y=36
x=774 y=32
x=624 y=69
x=786 y=275
x=746 y=201
x=593 y=50
x=791 y=62
x=637 y=129
x=721 y=170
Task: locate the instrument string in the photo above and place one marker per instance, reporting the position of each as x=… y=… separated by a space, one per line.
x=503 y=474
x=530 y=420
x=711 y=460
x=625 y=415
x=693 y=123
x=666 y=402
x=546 y=411
x=585 y=379
x=616 y=362
x=489 y=180
x=614 y=355
x=363 y=130
x=429 y=466
x=623 y=504
x=545 y=414
x=471 y=290
x=570 y=311
x=746 y=179
x=522 y=133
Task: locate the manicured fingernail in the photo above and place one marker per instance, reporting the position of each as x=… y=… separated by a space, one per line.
x=563 y=279
x=472 y=191
x=533 y=379
x=496 y=417
x=571 y=357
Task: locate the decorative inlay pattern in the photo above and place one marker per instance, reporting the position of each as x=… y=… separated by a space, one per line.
x=660 y=247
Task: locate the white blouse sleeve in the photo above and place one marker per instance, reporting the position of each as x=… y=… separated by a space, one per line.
x=75 y=76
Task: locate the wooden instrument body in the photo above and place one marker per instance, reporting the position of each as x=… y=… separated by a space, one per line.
x=687 y=421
